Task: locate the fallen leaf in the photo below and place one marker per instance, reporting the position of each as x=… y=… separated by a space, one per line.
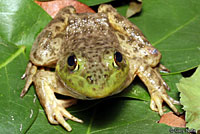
x=52 y=7
x=172 y=120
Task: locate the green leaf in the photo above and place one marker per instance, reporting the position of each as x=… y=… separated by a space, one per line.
x=94 y=2
x=173 y=27
x=17 y=114
x=21 y=21
x=190 y=98
x=111 y=116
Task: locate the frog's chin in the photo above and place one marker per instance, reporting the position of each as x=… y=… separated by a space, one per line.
x=95 y=95
x=90 y=92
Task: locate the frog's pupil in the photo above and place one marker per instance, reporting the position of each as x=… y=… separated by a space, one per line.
x=71 y=60
x=118 y=57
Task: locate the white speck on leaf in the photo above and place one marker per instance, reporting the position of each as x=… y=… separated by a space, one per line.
x=34 y=98
x=31 y=113
x=20 y=129
x=12 y=118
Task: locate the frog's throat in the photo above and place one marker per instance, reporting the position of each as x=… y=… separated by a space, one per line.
x=114 y=84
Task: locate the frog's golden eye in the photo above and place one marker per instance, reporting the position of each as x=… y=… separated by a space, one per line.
x=118 y=59
x=72 y=63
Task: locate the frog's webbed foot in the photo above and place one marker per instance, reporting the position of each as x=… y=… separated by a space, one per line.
x=156 y=88
x=55 y=110
x=57 y=114
x=28 y=76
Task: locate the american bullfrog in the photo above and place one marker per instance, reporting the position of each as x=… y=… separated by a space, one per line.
x=94 y=55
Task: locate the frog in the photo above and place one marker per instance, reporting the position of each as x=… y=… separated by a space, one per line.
x=88 y=56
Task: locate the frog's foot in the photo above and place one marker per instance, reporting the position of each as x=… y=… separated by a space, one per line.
x=45 y=83
x=28 y=75
x=57 y=114
x=156 y=87
x=157 y=99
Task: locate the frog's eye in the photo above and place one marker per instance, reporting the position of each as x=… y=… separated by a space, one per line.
x=72 y=63
x=118 y=59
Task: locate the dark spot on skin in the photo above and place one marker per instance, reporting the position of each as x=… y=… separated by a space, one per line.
x=103 y=65
x=99 y=76
x=60 y=35
x=100 y=70
x=159 y=82
x=95 y=80
x=105 y=76
x=90 y=67
x=151 y=74
x=145 y=67
x=107 y=52
x=60 y=18
x=70 y=80
x=141 y=45
x=66 y=10
x=90 y=60
x=110 y=10
x=99 y=59
x=135 y=49
x=93 y=89
x=58 y=28
x=122 y=37
x=80 y=83
x=90 y=79
x=119 y=17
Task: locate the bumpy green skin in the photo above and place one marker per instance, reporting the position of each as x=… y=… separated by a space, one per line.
x=108 y=85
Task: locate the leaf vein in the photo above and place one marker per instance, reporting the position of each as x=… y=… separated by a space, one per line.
x=12 y=57
x=174 y=31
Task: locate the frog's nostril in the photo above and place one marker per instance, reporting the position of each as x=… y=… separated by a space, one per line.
x=105 y=76
x=90 y=79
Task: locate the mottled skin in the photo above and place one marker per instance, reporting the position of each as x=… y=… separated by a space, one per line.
x=93 y=40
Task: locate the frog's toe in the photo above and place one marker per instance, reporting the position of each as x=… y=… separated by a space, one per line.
x=170 y=103
x=153 y=106
x=174 y=101
x=66 y=114
x=52 y=119
x=59 y=117
x=156 y=104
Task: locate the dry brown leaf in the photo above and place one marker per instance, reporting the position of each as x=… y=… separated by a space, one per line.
x=171 y=119
x=52 y=7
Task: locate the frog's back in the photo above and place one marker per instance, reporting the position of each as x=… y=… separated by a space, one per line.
x=63 y=32
x=70 y=31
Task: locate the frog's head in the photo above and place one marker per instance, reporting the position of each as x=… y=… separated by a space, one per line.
x=93 y=72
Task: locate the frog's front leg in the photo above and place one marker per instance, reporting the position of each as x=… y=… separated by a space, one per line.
x=156 y=88
x=55 y=110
